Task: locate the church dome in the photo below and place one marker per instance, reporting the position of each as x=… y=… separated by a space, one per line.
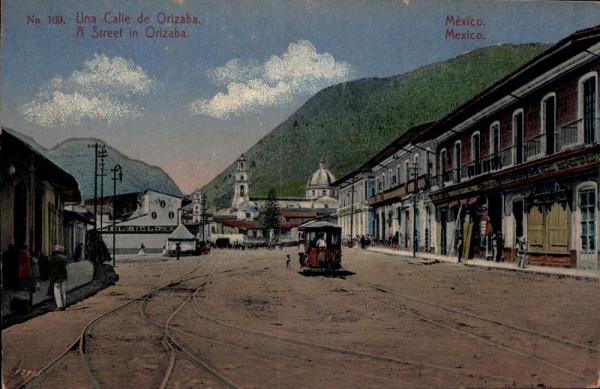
x=321 y=178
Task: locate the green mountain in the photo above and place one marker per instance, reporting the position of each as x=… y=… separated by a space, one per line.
x=349 y=123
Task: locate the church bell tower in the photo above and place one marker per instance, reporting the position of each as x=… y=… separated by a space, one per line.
x=241 y=186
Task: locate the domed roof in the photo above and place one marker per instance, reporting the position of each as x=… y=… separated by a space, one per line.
x=321 y=178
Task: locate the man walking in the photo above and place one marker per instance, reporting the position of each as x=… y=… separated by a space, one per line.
x=58 y=277
x=521 y=250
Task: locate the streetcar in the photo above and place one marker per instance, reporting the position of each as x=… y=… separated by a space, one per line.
x=323 y=246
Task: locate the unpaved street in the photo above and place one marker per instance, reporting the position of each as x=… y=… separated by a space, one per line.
x=242 y=319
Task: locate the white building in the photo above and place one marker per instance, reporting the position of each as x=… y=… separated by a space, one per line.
x=151 y=224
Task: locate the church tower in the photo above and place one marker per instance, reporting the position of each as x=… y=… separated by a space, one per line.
x=241 y=186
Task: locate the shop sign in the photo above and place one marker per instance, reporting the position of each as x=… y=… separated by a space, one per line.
x=140 y=229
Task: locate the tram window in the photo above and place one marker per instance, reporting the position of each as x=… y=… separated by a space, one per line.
x=335 y=239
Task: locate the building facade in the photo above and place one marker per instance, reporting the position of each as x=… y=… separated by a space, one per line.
x=151 y=224
x=521 y=159
x=33 y=195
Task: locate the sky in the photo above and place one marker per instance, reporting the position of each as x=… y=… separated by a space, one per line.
x=190 y=85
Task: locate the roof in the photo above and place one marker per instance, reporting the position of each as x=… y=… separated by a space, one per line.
x=318 y=224
x=298 y=214
x=321 y=178
x=18 y=148
x=403 y=140
x=240 y=224
x=568 y=47
x=181 y=233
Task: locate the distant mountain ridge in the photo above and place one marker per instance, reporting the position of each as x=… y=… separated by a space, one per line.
x=76 y=158
x=350 y=122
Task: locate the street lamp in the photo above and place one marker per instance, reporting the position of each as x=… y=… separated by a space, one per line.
x=116 y=169
x=415 y=172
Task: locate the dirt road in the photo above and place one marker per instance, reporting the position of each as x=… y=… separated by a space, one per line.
x=242 y=319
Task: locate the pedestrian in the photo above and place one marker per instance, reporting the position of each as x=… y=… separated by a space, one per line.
x=142 y=250
x=58 y=277
x=178 y=250
x=34 y=273
x=521 y=251
x=498 y=246
x=78 y=253
x=459 y=247
x=287 y=261
x=24 y=268
x=301 y=252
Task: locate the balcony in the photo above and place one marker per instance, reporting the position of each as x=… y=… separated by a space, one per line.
x=534 y=147
x=491 y=163
x=578 y=133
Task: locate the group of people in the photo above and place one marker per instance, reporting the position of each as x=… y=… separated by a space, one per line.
x=23 y=271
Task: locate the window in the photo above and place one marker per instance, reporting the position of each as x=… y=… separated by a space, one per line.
x=407 y=170
x=398 y=173
x=476 y=153
x=587 y=205
x=443 y=167
x=589 y=96
x=242 y=190
x=429 y=163
x=457 y=161
x=153 y=215
x=171 y=215
x=495 y=139
x=162 y=203
x=518 y=130
x=548 y=121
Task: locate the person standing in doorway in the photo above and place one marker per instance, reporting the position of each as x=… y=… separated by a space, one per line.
x=24 y=268
x=178 y=250
x=498 y=246
x=459 y=247
x=58 y=277
x=521 y=251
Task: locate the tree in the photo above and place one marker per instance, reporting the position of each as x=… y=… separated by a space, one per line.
x=270 y=216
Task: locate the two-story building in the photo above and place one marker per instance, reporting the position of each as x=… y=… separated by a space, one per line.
x=522 y=158
x=33 y=195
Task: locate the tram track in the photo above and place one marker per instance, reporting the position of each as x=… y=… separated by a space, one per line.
x=79 y=345
x=458 y=326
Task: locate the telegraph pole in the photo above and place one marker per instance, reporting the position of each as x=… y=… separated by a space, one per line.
x=101 y=156
x=203 y=215
x=415 y=175
x=116 y=169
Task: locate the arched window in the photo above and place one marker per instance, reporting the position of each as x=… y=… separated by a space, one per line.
x=548 y=123
x=476 y=153
x=495 y=145
x=242 y=190
x=457 y=161
x=518 y=128
x=588 y=103
x=443 y=166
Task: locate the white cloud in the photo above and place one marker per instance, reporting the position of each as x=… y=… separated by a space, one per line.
x=252 y=87
x=102 y=91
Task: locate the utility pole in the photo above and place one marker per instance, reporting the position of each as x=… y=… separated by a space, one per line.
x=415 y=190
x=101 y=156
x=352 y=214
x=116 y=169
x=203 y=215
